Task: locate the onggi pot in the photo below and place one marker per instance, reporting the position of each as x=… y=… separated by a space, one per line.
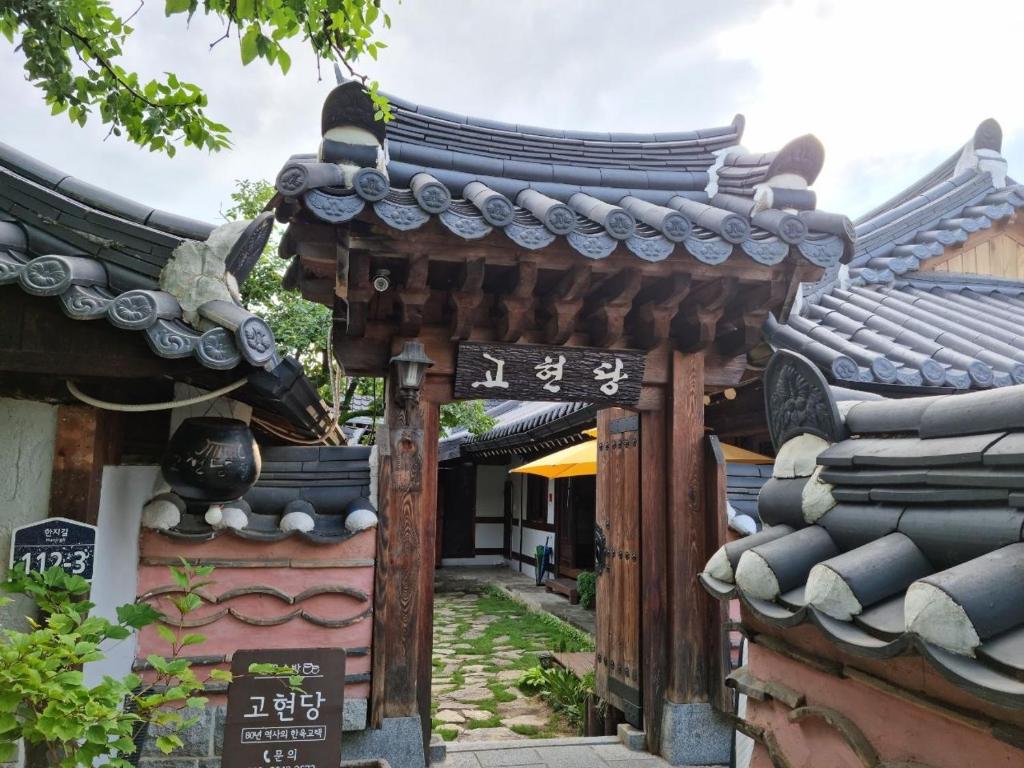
x=211 y=459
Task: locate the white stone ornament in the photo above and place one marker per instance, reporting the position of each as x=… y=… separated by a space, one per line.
x=160 y=515
x=360 y=520
x=297 y=521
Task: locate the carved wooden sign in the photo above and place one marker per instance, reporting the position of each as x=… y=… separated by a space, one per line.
x=532 y=372
x=271 y=725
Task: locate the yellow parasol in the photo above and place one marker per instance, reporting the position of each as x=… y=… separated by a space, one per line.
x=582 y=460
x=569 y=462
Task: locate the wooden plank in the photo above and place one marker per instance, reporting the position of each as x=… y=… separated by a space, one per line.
x=618 y=514
x=86 y=440
x=715 y=490
x=984 y=257
x=690 y=607
x=653 y=575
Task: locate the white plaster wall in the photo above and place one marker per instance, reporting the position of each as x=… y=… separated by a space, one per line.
x=28 y=431
x=490 y=490
x=489 y=536
x=122 y=493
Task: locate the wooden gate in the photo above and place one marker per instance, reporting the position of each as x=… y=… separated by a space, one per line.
x=617 y=562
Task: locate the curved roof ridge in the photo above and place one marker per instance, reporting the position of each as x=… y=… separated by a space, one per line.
x=404 y=107
x=987 y=136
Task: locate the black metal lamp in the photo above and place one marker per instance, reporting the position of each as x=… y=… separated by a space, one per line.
x=408 y=369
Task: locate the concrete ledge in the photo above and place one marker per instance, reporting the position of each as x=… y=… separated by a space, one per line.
x=571 y=741
x=695 y=734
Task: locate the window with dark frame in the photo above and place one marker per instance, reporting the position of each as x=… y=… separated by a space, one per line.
x=536 y=499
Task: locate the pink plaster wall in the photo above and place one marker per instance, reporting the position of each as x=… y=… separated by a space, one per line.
x=290 y=567
x=898 y=729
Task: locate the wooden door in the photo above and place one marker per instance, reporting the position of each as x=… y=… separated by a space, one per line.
x=617 y=562
x=458 y=537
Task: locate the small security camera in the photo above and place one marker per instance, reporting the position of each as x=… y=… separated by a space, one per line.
x=381 y=280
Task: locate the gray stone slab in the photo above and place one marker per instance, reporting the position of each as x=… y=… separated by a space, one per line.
x=501 y=757
x=399 y=740
x=695 y=734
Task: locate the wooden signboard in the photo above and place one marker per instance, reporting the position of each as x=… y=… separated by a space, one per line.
x=55 y=541
x=270 y=725
x=531 y=372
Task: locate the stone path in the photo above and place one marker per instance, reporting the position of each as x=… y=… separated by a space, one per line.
x=518 y=586
x=549 y=753
x=482 y=645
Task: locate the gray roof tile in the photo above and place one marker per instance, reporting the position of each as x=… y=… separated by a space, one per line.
x=942 y=518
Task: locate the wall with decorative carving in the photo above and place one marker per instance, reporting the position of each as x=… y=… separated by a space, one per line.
x=292 y=593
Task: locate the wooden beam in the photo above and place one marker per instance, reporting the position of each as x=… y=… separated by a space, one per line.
x=427 y=520
x=688 y=520
x=87 y=439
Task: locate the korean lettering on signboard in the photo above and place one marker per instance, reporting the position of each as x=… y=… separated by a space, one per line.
x=533 y=372
x=271 y=725
x=55 y=541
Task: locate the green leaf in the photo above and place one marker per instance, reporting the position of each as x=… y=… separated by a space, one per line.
x=176 y=6
x=137 y=615
x=248 y=45
x=245 y=9
x=166 y=634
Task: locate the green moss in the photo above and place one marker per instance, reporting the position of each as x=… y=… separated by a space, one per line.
x=448 y=734
x=491 y=722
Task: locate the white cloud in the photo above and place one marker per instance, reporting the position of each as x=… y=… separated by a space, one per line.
x=891 y=88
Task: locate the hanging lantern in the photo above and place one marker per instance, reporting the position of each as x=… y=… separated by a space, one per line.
x=211 y=460
x=409 y=368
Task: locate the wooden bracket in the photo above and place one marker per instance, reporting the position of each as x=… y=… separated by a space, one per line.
x=515 y=307
x=564 y=305
x=360 y=291
x=465 y=300
x=412 y=296
x=652 y=320
x=699 y=323
x=610 y=303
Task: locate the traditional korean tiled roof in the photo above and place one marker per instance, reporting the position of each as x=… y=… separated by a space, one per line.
x=894 y=526
x=101 y=255
x=882 y=320
x=320 y=494
x=652 y=193
x=531 y=427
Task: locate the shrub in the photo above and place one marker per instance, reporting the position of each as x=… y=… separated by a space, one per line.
x=563 y=690
x=586 y=587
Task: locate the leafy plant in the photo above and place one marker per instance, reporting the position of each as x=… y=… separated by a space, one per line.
x=565 y=692
x=586 y=587
x=73 y=49
x=45 y=700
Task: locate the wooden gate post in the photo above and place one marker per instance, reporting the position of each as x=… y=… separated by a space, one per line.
x=692 y=731
x=403 y=591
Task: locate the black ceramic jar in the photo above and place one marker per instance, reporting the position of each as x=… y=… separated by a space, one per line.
x=211 y=459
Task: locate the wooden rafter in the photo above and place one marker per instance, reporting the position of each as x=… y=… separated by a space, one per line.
x=608 y=305
x=565 y=303
x=413 y=296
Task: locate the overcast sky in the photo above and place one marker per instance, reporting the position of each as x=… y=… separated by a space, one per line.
x=891 y=87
